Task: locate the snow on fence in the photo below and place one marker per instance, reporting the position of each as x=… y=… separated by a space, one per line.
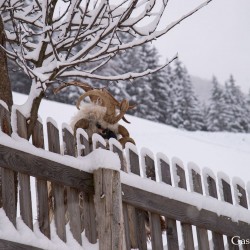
x=146 y=200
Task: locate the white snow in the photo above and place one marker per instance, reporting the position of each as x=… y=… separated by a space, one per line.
x=23 y=234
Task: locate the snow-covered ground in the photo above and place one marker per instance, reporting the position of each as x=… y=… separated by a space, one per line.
x=220 y=152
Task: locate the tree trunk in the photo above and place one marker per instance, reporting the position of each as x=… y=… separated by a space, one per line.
x=5 y=85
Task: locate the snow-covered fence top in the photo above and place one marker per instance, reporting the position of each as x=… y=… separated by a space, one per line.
x=160 y=198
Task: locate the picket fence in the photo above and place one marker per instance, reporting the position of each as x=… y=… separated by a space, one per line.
x=119 y=215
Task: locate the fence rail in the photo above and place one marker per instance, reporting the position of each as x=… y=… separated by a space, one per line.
x=120 y=215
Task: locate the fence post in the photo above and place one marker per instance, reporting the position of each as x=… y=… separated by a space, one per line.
x=108 y=205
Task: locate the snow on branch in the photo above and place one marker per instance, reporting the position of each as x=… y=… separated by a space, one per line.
x=56 y=38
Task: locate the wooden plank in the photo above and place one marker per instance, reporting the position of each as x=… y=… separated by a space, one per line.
x=72 y=193
x=172 y=234
x=212 y=191
x=8 y=177
x=242 y=196
x=227 y=196
x=155 y=219
x=137 y=220
x=134 y=163
x=88 y=214
x=187 y=232
x=126 y=225
x=41 y=186
x=121 y=157
x=171 y=228
x=155 y=231
x=89 y=217
x=45 y=169
x=202 y=234
x=5 y=244
x=84 y=141
x=108 y=204
x=181 y=211
x=227 y=193
x=57 y=189
x=150 y=168
x=165 y=172
x=24 y=179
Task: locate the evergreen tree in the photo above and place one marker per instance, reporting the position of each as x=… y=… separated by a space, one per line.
x=187 y=113
x=235 y=109
x=214 y=118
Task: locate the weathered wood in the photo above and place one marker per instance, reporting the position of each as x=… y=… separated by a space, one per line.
x=84 y=141
x=89 y=217
x=154 y=219
x=72 y=193
x=150 y=168
x=202 y=235
x=181 y=211
x=41 y=186
x=172 y=234
x=126 y=225
x=212 y=191
x=57 y=189
x=171 y=228
x=227 y=193
x=137 y=218
x=134 y=163
x=5 y=244
x=218 y=241
x=8 y=177
x=140 y=218
x=165 y=172
x=88 y=214
x=24 y=179
x=227 y=197
x=187 y=232
x=155 y=231
x=45 y=169
x=108 y=204
x=242 y=196
x=121 y=157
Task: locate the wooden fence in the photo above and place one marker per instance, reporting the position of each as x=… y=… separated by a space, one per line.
x=120 y=215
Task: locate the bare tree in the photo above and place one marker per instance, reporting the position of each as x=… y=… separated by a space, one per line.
x=51 y=39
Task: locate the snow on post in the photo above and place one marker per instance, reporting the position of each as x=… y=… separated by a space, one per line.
x=98 y=141
x=52 y=121
x=224 y=187
x=132 y=158
x=178 y=172
x=147 y=164
x=193 y=169
x=239 y=192
x=163 y=168
x=116 y=147
x=208 y=173
x=79 y=145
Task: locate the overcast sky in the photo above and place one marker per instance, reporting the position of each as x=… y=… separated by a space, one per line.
x=214 y=41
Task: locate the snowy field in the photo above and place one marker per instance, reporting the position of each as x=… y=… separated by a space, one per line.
x=220 y=152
